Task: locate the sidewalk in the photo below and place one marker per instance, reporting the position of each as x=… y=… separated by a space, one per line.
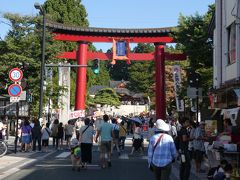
x=13 y=162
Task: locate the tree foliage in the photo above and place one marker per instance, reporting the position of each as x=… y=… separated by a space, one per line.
x=141 y=72
x=70 y=12
x=192 y=34
x=107 y=96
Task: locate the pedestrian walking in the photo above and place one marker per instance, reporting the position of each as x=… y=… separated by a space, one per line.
x=60 y=135
x=161 y=151
x=26 y=135
x=105 y=132
x=151 y=130
x=36 y=135
x=54 y=129
x=184 y=138
x=198 y=145
x=46 y=132
x=122 y=135
x=115 y=137
x=86 y=133
x=137 y=139
x=69 y=129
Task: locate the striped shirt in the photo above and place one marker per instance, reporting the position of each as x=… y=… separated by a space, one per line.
x=165 y=151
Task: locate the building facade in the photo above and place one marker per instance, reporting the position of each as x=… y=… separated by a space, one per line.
x=226 y=39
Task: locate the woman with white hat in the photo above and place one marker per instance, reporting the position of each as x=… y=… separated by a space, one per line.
x=161 y=151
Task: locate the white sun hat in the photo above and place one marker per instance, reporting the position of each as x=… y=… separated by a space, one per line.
x=161 y=125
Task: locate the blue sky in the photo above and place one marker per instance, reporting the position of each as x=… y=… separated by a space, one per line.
x=118 y=13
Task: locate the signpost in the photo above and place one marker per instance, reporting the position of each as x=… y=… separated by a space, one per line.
x=15 y=74
x=15 y=91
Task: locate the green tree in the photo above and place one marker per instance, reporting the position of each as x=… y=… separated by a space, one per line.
x=70 y=12
x=107 y=96
x=192 y=38
x=21 y=48
x=141 y=72
x=192 y=34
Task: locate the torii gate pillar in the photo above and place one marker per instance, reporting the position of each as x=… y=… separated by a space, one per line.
x=81 y=76
x=160 y=81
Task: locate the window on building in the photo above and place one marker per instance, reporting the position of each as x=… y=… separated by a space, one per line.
x=232 y=44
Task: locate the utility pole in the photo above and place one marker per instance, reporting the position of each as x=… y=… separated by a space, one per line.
x=42 y=11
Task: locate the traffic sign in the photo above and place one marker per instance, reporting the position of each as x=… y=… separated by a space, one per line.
x=14 y=90
x=15 y=74
x=14 y=99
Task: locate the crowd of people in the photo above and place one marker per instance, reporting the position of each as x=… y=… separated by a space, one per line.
x=183 y=141
x=168 y=140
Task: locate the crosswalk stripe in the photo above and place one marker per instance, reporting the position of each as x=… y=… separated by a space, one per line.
x=144 y=157
x=63 y=155
x=90 y=166
x=123 y=156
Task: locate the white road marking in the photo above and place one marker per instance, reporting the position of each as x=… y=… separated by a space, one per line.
x=144 y=157
x=123 y=156
x=90 y=166
x=63 y=155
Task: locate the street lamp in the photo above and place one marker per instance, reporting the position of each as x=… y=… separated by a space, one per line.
x=42 y=11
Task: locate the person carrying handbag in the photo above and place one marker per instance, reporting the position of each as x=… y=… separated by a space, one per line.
x=161 y=151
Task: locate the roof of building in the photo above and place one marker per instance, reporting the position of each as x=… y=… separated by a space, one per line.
x=94 y=89
x=123 y=91
x=114 y=84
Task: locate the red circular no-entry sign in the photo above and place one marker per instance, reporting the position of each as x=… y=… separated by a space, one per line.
x=15 y=74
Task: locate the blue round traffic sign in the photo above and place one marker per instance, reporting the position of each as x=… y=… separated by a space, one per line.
x=14 y=90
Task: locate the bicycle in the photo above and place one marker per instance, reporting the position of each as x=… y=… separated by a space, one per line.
x=3 y=148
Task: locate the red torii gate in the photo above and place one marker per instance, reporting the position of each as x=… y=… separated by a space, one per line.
x=84 y=35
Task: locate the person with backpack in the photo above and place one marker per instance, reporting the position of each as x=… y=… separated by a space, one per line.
x=185 y=165
x=122 y=135
x=115 y=140
x=75 y=154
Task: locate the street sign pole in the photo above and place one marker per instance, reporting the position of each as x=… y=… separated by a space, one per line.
x=16 y=136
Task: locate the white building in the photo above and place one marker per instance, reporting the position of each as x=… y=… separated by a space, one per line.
x=225 y=27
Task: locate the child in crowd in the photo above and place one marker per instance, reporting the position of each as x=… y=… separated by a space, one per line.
x=75 y=154
x=223 y=172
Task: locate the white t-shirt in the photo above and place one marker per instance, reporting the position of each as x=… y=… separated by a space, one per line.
x=87 y=136
x=46 y=133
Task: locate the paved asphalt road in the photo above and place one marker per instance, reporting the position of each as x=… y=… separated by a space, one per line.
x=58 y=166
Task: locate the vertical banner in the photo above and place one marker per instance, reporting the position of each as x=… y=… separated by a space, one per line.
x=177 y=86
x=64 y=99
